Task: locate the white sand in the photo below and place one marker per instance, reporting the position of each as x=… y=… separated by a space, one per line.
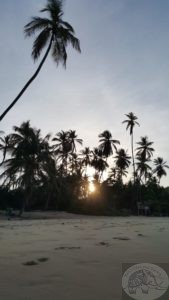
x=90 y=270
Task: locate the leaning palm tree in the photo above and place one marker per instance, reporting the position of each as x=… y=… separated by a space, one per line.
x=55 y=34
x=160 y=168
x=131 y=122
x=107 y=143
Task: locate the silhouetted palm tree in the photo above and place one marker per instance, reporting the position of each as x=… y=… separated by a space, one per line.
x=62 y=148
x=142 y=167
x=160 y=167
x=122 y=161
x=145 y=150
x=73 y=139
x=55 y=34
x=23 y=168
x=98 y=161
x=4 y=146
x=107 y=143
x=131 y=122
x=86 y=157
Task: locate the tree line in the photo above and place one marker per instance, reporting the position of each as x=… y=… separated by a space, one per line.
x=52 y=172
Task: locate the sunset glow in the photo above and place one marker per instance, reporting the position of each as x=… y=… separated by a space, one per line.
x=91 y=187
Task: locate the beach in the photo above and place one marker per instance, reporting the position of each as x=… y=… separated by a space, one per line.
x=64 y=256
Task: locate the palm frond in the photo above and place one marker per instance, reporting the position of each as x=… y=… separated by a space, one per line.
x=40 y=43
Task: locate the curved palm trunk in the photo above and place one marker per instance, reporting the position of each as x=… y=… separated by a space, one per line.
x=29 y=82
x=133 y=155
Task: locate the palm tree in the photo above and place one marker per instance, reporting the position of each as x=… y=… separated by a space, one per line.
x=4 y=147
x=55 y=34
x=22 y=169
x=143 y=167
x=73 y=139
x=86 y=157
x=160 y=167
x=98 y=161
x=122 y=161
x=62 y=148
x=131 y=122
x=107 y=143
x=145 y=150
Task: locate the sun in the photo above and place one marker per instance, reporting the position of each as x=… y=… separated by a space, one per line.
x=92 y=187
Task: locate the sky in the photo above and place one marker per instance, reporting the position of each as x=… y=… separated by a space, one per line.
x=123 y=67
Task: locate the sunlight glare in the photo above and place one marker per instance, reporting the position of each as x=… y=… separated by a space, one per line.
x=91 y=187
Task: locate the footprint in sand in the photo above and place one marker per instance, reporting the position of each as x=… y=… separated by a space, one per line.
x=104 y=244
x=122 y=238
x=67 y=248
x=43 y=259
x=34 y=263
x=30 y=263
x=140 y=234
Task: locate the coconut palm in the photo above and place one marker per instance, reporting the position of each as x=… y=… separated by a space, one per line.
x=98 y=161
x=62 y=148
x=143 y=167
x=145 y=150
x=107 y=143
x=160 y=168
x=22 y=169
x=73 y=139
x=55 y=34
x=122 y=161
x=4 y=147
x=131 y=122
x=86 y=154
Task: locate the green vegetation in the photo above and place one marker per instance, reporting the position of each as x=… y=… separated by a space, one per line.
x=53 y=173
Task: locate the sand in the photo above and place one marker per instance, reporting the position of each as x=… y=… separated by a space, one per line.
x=73 y=257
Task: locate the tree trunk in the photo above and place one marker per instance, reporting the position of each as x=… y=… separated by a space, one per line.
x=29 y=82
x=133 y=156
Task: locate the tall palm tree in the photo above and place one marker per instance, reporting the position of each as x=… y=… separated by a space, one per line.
x=55 y=34
x=160 y=167
x=145 y=150
x=122 y=161
x=131 y=122
x=107 y=143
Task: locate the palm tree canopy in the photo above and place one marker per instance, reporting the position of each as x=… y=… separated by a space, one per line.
x=73 y=139
x=107 y=143
x=60 y=33
x=160 y=167
x=86 y=156
x=131 y=121
x=122 y=159
x=145 y=149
